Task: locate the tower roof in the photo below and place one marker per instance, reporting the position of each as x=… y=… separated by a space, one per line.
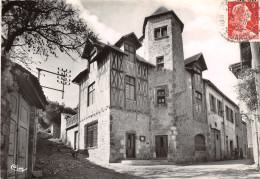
x=163 y=11
x=160 y=10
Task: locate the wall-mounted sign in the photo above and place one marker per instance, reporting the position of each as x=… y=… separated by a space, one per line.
x=142 y=138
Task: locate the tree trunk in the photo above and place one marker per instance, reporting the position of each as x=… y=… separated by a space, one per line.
x=255 y=49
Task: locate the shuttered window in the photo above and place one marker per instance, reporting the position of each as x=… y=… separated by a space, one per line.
x=227 y=113
x=220 y=108
x=91 y=134
x=212 y=103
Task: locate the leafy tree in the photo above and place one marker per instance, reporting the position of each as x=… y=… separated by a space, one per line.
x=42 y=27
x=52 y=113
x=247 y=89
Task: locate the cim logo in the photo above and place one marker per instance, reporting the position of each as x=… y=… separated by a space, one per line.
x=17 y=168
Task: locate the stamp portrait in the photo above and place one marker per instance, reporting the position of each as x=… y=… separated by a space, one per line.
x=243 y=20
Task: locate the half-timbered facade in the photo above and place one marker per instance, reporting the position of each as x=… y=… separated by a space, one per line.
x=145 y=108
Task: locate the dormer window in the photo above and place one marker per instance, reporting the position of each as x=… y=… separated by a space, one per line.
x=130 y=51
x=160 y=32
x=197 y=75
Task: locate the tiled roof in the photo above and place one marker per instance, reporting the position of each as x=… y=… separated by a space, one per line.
x=141 y=59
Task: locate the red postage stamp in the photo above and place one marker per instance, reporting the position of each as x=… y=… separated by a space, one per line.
x=243 y=20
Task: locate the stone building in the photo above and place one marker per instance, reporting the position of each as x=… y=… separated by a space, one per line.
x=224 y=123
x=144 y=108
x=19 y=120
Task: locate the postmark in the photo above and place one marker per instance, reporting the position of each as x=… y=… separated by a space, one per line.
x=238 y=21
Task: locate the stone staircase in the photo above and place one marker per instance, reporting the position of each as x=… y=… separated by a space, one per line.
x=147 y=162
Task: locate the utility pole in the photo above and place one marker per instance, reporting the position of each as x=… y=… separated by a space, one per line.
x=255 y=49
x=62 y=76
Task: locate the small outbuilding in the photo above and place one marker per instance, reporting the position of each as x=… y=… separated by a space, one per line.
x=21 y=99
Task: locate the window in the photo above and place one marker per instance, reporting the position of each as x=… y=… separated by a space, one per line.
x=130 y=87
x=91 y=94
x=212 y=103
x=197 y=75
x=159 y=63
x=160 y=32
x=220 y=108
x=161 y=97
x=227 y=113
x=91 y=134
x=130 y=51
x=198 y=105
x=199 y=143
x=231 y=116
x=237 y=119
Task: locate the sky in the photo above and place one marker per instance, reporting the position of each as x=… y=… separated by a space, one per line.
x=111 y=19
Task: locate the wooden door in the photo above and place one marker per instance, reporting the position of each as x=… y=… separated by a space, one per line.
x=161 y=142
x=213 y=145
x=231 y=149
x=215 y=152
x=218 y=144
x=19 y=135
x=130 y=145
x=13 y=134
x=23 y=136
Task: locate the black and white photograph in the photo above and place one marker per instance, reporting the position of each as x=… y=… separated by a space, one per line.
x=130 y=89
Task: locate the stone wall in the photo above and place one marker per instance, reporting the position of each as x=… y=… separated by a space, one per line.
x=188 y=126
x=100 y=153
x=6 y=83
x=125 y=121
x=176 y=119
x=5 y=126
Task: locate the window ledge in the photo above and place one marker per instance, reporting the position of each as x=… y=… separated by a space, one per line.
x=159 y=38
x=161 y=106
